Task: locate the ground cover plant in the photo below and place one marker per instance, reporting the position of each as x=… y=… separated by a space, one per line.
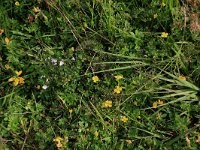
x=99 y=74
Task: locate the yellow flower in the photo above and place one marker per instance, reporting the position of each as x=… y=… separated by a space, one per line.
x=7 y=67
x=21 y=80
x=118 y=77
x=155 y=16
x=7 y=40
x=36 y=9
x=70 y=111
x=95 y=79
x=57 y=139
x=124 y=119
x=155 y=105
x=16 y=3
x=59 y=145
x=18 y=73
x=182 y=78
x=129 y=141
x=164 y=35
x=16 y=81
x=1 y=31
x=107 y=104
x=72 y=49
x=117 y=89
x=160 y=102
x=11 y=79
x=96 y=133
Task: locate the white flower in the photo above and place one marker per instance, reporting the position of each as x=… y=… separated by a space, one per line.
x=44 y=87
x=73 y=58
x=54 y=61
x=61 y=63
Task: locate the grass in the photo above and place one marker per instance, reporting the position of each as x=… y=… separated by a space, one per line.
x=99 y=74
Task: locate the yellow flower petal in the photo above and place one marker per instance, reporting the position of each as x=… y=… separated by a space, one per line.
x=7 y=40
x=118 y=77
x=124 y=119
x=96 y=133
x=11 y=79
x=95 y=79
x=57 y=139
x=1 y=31
x=160 y=102
x=72 y=49
x=155 y=104
x=107 y=104
x=181 y=77
x=129 y=141
x=36 y=9
x=70 y=111
x=118 y=89
x=164 y=35
x=59 y=145
x=18 y=73
x=16 y=82
x=21 y=80
x=16 y=3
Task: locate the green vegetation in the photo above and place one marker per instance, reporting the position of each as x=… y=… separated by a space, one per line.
x=99 y=74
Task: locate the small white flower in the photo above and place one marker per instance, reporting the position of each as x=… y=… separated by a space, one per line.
x=54 y=61
x=73 y=58
x=61 y=63
x=44 y=87
x=47 y=80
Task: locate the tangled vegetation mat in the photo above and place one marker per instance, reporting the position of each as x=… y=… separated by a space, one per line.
x=99 y=74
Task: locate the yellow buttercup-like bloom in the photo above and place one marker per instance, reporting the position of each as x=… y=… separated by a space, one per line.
x=164 y=35
x=16 y=82
x=11 y=79
x=36 y=9
x=124 y=119
x=118 y=89
x=118 y=77
x=58 y=140
x=155 y=104
x=107 y=104
x=1 y=31
x=18 y=73
x=70 y=111
x=59 y=145
x=16 y=3
x=21 y=80
x=160 y=102
x=96 y=133
x=95 y=79
x=181 y=77
x=7 y=40
x=129 y=141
